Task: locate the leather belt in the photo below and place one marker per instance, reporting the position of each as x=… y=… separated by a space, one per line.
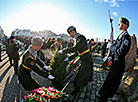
x=29 y=69
x=84 y=52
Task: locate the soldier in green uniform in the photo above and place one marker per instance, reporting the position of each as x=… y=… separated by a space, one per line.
x=13 y=52
x=81 y=48
x=30 y=62
x=57 y=45
x=7 y=50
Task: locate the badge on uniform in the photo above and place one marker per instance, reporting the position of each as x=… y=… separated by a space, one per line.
x=126 y=42
x=78 y=40
x=32 y=63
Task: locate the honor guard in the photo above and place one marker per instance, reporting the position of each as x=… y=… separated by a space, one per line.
x=118 y=51
x=81 y=48
x=31 y=61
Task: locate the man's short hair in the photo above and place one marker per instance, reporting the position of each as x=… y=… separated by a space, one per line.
x=37 y=41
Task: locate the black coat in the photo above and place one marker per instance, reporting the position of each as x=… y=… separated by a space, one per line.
x=85 y=70
x=118 y=52
x=24 y=73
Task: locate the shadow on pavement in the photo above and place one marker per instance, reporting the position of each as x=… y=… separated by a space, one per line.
x=13 y=92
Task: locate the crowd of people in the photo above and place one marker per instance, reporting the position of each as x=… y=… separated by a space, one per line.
x=32 y=60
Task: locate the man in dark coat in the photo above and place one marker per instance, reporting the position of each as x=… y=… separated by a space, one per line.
x=31 y=61
x=81 y=48
x=118 y=52
x=13 y=52
x=7 y=50
x=103 y=48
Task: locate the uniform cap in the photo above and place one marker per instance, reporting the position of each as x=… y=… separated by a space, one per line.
x=124 y=20
x=59 y=39
x=70 y=29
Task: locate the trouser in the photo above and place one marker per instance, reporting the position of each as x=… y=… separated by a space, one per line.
x=112 y=81
x=10 y=60
x=16 y=66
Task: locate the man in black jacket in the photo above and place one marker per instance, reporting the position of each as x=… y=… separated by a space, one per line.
x=118 y=52
x=81 y=48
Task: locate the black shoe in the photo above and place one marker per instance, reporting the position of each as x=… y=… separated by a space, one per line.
x=99 y=98
x=75 y=91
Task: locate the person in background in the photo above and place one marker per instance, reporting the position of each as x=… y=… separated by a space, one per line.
x=7 y=50
x=103 y=48
x=57 y=45
x=13 y=53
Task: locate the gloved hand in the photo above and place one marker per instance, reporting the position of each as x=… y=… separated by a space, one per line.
x=47 y=68
x=60 y=51
x=51 y=77
x=66 y=59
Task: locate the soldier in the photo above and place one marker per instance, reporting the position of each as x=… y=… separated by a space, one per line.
x=27 y=43
x=103 y=48
x=7 y=50
x=57 y=45
x=91 y=43
x=118 y=52
x=30 y=62
x=13 y=53
x=81 y=48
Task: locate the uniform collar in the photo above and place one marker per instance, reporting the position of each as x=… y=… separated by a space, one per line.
x=122 y=33
x=32 y=52
x=77 y=34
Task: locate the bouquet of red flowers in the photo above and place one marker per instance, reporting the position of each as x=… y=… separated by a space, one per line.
x=43 y=94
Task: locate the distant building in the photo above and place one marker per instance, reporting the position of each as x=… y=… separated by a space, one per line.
x=1 y=32
x=24 y=32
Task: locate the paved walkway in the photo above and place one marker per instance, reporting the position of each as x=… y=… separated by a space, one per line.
x=12 y=91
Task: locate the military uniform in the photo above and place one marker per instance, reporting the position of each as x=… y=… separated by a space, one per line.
x=85 y=71
x=103 y=49
x=118 y=52
x=13 y=53
x=27 y=43
x=31 y=62
x=55 y=46
x=7 y=50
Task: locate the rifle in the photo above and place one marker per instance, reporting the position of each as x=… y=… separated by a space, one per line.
x=111 y=20
x=104 y=65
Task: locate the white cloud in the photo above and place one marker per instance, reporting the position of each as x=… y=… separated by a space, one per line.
x=112 y=3
x=115 y=14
